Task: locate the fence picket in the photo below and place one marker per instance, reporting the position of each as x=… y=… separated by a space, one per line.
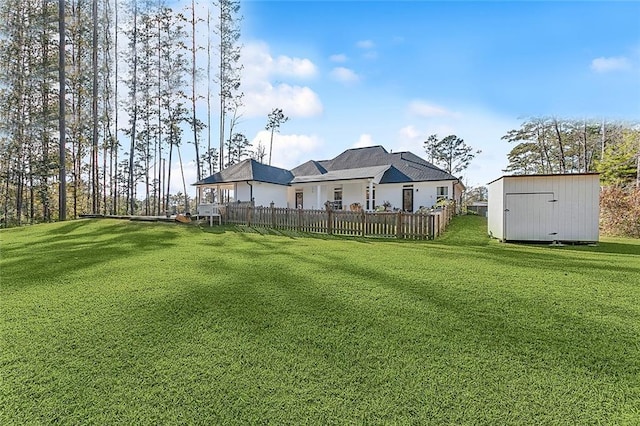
x=400 y=225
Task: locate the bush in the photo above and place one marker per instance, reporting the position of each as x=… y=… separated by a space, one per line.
x=620 y=211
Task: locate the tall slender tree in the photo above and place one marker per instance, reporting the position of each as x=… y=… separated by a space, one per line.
x=229 y=68
x=62 y=178
x=274 y=120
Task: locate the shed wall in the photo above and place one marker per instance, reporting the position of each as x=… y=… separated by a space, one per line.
x=546 y=208
x=496 y=209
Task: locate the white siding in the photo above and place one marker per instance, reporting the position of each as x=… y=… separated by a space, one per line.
x=266 y=193
x=496 y=209
x=545 y=208
x=243 y=192
x=424 y=193
x=353 y=193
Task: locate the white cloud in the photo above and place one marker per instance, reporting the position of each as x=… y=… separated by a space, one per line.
x=409 y=132
x=365 y=139
x=602 y=64
x=426 y=110
x=262 y=95
x=344 y=75
x=295 y=101
x=295 y=67
x=259 y=64
x=341 y=57
x=288 y=150
x=365 y=44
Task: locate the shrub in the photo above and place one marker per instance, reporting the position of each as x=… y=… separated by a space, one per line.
x=620 y=211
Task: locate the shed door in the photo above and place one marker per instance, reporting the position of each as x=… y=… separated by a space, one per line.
x=530 y=217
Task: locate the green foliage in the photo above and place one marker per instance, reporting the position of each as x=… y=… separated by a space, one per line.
x=620 y=163
x=275 y=119
x=105 y=322
x=451 y=153
x=547 y=145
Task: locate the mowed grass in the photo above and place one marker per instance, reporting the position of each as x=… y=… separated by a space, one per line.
x=106 y=322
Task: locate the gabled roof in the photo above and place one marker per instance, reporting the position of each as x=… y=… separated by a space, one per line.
x=249 y=170
x=374 y=173
x=372 y=162
x=404 y=166
x=309 y=168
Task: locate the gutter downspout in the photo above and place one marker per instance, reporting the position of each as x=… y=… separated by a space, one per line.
x=250 y=192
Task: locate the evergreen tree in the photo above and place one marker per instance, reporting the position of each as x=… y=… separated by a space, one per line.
x=451 y=153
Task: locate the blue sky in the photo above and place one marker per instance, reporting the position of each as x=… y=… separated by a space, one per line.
x=357 y=73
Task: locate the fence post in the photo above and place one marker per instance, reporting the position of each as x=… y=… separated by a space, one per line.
x=399 y=233
x=364 y=222
x=299 y=220
x=249 y=212
x=430 y=227
x=329 y=218
x=273 y=215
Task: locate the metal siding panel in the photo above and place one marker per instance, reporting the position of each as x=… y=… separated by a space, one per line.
x=529 y=216
x=496 y=209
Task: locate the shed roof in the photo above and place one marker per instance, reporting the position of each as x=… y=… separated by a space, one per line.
x=545 y=175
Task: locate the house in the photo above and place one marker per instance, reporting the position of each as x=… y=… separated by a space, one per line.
x=545 y=208
x=368 y=176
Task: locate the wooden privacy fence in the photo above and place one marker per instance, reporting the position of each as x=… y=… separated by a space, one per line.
x=340 y=222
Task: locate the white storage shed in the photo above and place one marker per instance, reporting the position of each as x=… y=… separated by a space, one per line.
x=545 y=208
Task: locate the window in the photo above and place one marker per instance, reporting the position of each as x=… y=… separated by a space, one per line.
x=337 y=198
x=366 y=197
x=442 y=193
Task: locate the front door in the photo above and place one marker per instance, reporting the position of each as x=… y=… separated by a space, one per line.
x=299 y=200
x=407 y=199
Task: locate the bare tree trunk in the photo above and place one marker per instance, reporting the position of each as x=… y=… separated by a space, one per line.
x=184 y=184
x=560 y=146
x=115 y=194
x=95 y=187
x=193 y=90
x=134 y=99
x=209 y=91
x=62 y=192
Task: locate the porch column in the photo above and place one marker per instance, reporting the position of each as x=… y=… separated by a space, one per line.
x=371 y=195
x=319 y=205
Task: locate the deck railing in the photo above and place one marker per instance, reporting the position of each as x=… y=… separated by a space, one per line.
x=398 y=224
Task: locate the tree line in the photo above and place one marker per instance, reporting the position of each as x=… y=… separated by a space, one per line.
x=549 y=145
x=98 y=98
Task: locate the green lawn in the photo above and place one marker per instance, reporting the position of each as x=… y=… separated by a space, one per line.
x=105 y=322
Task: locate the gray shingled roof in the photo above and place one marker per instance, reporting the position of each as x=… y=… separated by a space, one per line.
x=357 y=163
x=309 y=168
x=375 y=172
x=249 y=170
x=407 y=167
